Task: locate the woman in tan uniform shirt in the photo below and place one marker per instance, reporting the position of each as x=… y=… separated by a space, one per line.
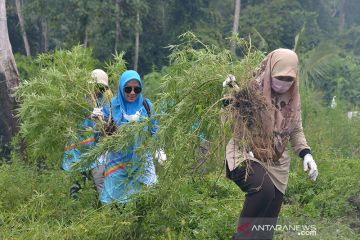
x=265 y=182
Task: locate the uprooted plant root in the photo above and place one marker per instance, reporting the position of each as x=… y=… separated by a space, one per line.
x=249 y=111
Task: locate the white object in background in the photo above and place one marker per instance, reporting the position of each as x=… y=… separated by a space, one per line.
x=160 y=155
x=310 y=165
x=333 y=102
x=350 y=115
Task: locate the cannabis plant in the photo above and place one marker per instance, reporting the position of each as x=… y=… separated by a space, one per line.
x=54 y=103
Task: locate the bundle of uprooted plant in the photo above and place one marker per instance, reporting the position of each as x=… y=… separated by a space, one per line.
x=249 y=111
x=251 y=115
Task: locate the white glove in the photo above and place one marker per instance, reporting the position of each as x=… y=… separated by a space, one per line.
x=160 y=155
x=97 y=112
x=229 y=80
x=102 y=158
x=309 y=164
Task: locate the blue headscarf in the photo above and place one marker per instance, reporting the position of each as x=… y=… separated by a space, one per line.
x=119 y=102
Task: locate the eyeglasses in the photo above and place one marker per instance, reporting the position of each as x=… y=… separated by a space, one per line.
x=137 y=90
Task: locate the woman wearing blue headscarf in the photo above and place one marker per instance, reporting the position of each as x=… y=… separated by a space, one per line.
x=125 y=172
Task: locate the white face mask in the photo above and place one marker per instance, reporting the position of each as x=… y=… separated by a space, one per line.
x=280 y=86
x=133 y=117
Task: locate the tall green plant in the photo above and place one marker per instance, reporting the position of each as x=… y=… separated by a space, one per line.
x=189 y=107
x=193 y=92
x=54 y=103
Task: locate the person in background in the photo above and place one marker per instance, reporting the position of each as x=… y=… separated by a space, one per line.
x=74 y=152
x=265 y=182
x=126 y=172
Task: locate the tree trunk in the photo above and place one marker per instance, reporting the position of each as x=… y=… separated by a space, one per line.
x=44 y=34
x=137 y=41
x=22 y=27
x=235 y=29
x=9 y=81
x=84 y=28
x=118 y=34
x=342 y=15
x=86 y=37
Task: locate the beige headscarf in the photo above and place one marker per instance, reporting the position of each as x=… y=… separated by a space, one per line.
x=284 y=109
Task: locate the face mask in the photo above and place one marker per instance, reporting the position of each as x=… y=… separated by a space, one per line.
x=280 y=86
x=133 y=117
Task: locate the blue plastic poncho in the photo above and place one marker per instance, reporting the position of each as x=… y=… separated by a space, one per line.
x=75 y=151
x=125 y=172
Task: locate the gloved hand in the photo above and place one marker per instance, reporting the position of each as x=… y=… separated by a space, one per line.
x=229 y=80
x=310 y=165
x=96 y=113
x=160 y=155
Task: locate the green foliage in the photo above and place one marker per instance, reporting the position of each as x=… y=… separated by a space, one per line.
x=36 y=206
x=338 y=137
x=189 y=107
x=114 y=69
x=345 y=81
x=26 y=66
x=276 y=21
x=192 y=94
x=55 y=102
x=324 y=203
x=124 y=138
x=151 y=84
x=332 y=73
x=108 y=26
x=328 y=196
x=37 y=201
x=192 y=200
x=316 y=64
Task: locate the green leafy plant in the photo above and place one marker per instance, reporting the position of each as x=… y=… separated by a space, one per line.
x=192 y=199
x=54 y=103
